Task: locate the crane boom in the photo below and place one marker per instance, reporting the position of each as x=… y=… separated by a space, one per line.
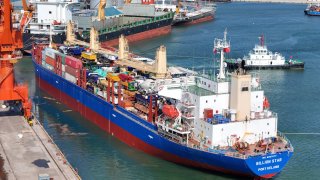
x=102 y=5
x=26 y=16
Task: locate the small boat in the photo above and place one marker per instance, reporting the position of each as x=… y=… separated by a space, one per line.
x=312 y=10
x=188 y=12
x=261 y=58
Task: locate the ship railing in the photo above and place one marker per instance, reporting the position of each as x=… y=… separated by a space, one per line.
x=264 y=115
x=136 y=119
x=280 y=134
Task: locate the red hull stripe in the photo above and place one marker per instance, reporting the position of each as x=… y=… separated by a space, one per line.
x=200 y=20
x=140 y=36
x=122 y=134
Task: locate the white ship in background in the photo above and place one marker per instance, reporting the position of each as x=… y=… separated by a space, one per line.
x=187 y=13
x=261 y=58
x=49 y=17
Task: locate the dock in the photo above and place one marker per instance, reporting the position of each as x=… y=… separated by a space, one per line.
x=29 y=152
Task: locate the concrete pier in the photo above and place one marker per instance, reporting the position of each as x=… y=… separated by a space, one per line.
x=29 y=151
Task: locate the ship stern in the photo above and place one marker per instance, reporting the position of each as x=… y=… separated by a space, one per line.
x=268 y=165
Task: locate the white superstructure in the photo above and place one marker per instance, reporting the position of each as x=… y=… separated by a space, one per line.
x=261 y=56
x=222 y=111
x=52 y=14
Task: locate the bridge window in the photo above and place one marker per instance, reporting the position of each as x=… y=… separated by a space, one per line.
x=245 y=89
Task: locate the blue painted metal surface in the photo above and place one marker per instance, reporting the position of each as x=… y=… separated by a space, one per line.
x=147 y=132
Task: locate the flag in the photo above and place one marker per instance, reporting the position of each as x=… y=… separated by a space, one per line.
x=226 y=50
x=215 y=51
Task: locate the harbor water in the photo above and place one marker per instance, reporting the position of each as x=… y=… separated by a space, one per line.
x=293 y=94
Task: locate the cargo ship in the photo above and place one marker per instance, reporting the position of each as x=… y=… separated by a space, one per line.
x=136 y=21
x=218 y=123
x=261 y=58
x=188 y=13
x=312 y=10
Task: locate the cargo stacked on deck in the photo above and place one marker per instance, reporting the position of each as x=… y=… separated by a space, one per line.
x=73 y=67
x=125 y=104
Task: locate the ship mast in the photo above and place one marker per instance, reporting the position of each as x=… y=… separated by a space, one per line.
x=261 y=40
x=223 y=46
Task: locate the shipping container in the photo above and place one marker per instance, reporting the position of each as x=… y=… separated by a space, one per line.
x=43 y=55
x=208 y=113
x=51 y=61
x=47 y=66
x=72 y=71
x=51 y=52
x=73 y=62
x=70 y=78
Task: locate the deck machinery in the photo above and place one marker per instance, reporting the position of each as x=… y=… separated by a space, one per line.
x=10 y=45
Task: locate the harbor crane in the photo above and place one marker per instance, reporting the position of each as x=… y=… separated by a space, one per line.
x=10 y=45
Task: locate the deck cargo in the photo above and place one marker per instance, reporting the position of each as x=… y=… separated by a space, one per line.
x=173 y=118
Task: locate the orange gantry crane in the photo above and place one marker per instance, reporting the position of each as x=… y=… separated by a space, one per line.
x=10 y=45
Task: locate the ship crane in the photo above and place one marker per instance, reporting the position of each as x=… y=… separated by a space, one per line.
x=27 y=15
x=10 y=45
x=101 y=14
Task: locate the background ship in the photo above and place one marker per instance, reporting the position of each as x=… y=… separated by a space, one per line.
x=137 y=21
x=261 y=58
x=312 y=9
x=193 y=119
x=187 y=13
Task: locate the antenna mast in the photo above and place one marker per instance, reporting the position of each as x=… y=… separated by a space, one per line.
x=223 y=46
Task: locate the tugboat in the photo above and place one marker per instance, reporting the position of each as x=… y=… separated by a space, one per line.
x=312 y=10
x=261 y=58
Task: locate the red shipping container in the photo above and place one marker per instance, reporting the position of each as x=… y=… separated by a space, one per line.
x=73 y=62
x=50 y=61
x=72 y=71
x=208 y=113
x=170 y=111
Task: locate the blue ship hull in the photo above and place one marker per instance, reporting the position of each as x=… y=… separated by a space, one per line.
x=312 y=13
x=143 y=135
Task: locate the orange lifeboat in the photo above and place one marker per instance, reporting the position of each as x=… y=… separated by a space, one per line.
x=170 y=111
